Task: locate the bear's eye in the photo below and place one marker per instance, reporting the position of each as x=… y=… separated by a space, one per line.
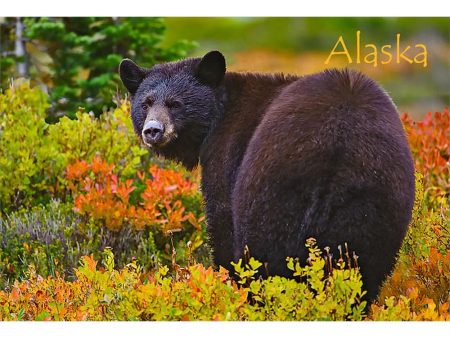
x=147 y=103
x=173 y=104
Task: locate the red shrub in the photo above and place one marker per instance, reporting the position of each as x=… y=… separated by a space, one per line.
x=100 y=194
x=430 y=143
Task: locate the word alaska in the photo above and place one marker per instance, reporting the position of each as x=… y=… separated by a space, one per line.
x=371 y=54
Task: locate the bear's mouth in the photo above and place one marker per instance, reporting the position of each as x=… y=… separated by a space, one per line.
x=165 y=140
x=157 y=135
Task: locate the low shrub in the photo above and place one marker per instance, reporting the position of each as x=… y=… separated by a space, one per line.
x=54 y=238
x=111 y=136
x=166 y=199
x=45 y=238
x=29 y=162
x=323 y=293
x=191 y=293
x=164 y=202
x=401 y=308
x=198 y=293
x=429 y=140
x=34 y=154
x=422 y=272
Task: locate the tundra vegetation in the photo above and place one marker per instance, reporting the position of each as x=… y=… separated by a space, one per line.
x=92 y=227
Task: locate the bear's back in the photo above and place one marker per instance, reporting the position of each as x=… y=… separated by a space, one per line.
x=337 y=127
x=315 y=99
x=339 y=117
x=329 y=159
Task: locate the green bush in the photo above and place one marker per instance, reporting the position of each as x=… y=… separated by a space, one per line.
x=34 y=154
x=110 y=136
x=34 y=161
x=29 y=161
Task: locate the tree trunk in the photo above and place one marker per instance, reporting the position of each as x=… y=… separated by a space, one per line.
x=20 y=52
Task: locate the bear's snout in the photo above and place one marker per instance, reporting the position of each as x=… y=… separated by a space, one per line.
x=153 y=132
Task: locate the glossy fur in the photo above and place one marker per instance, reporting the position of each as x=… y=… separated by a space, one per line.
x=285 y=158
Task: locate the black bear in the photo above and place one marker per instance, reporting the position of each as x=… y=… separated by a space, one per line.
x=283 y=158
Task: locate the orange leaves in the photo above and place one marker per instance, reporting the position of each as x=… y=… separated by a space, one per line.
x=426 y=277
x=100 y=194
x=423 y=268
x=402 y=309
x=89 y=263
x=100 y=167
x=125 y=294
x=430 y=143
x=76 y=170
x=422 y=271
x=176 y=214
x=123 y=191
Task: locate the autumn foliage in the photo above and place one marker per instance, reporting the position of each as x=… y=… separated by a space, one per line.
x=430 y=143
x=199 y=293
x=86 y=189
x=419 y=286
x=100 y=194
x=189 y=293
x=418 y=289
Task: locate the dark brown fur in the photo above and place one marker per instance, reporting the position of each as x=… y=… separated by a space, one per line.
x=286 y=158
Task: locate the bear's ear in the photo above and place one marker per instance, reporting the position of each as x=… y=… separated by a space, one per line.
x=211 y=68
x=131 y=75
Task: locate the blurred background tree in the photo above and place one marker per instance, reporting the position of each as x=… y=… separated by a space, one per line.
x=76 y=59
x=301 y=46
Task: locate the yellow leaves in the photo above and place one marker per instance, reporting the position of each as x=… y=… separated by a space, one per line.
x=108 y=259
x=57 y=310
x=401 y=309
x=201 y=293
x=429 y=312
x=319 y=296
x=163 y=270
x=413 y=293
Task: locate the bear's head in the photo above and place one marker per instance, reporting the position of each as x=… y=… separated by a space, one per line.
x=173 y=105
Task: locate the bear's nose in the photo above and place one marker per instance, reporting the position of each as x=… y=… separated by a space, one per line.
x=153 y=131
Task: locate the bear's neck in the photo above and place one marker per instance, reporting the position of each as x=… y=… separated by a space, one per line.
x=243 y=98
x=254 y=86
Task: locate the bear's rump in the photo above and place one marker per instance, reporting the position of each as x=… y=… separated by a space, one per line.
x=337 y=171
